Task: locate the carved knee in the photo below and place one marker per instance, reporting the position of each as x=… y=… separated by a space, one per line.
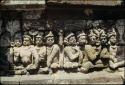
x=67 y=65
x=54 y=65
x=74 y=65
x=87 y=65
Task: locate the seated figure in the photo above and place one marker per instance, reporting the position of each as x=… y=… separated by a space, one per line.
x=28 y=54
x=104 y=55
x=23 y=55
x=72 y=53
x=41 y=51
x=113 y=63
x=52 y=53
x=82 y=41
x=92 y=52
x=15 y=54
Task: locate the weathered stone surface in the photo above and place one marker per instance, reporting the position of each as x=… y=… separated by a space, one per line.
x=36 y=79
x=91 y=78
x=121 y=53
x=32 y=20
x=20 y=2
x=10 y=80
x=88 y=2
x=61 y=77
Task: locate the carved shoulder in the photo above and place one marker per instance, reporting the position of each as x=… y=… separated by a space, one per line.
x=87 y=47
x=55 y=46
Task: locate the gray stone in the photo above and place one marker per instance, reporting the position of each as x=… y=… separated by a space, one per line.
x=19 y=2
x=36 y=79
x=102 y=77
x=61 y=77
x=88 y=2
x=91 y=78
x=10 y=79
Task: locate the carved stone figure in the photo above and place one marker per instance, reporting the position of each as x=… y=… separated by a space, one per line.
x=28 y=54
x=83 y=53
x=82 y=41
x=15 y=54
x=72 y=53
x=97 y=29
x=41 y=50
x=113 y=47
x=52 y=53
x=93 y=50
x=105 y=54
x=113 y=63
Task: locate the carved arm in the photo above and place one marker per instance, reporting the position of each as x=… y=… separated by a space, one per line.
x=91 y=54
x=72 y=56
x=54 y=51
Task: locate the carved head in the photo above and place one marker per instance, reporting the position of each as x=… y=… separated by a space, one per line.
x=82 y=38
x=98 y=42
x=112 y=40
x=112 y=37
x=71 y=39
x=103 y=38
x=17 y=42
x=50 y=39
x=26 y=40
x=92 y=38
x=39 y=40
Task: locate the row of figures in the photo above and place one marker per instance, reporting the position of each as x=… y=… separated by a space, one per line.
x=72 y=54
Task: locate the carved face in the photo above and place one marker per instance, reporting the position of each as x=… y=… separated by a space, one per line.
x=39 y=41
x=17 y=42
x=92 y=39
x=26 y=41
x=103 y=40
x=112 y=39
x=98 y=42
x=82 y=40
x=72 y=40
x=50 y=41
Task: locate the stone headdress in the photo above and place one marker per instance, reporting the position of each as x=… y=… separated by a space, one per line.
x=81 y=34
x=40 y=35
x=27 y=36
x=92 y=34
x=50 y=34
x=103 y=35
x=67 y=38
x=69 y=35
x=113 y=33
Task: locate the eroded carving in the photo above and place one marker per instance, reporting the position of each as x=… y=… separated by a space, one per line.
x=79 y=52
x=72 y=53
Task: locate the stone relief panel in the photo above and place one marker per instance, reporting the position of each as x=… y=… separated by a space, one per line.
x=36 y=46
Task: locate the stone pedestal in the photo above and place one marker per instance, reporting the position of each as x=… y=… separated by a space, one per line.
x=102 y=77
